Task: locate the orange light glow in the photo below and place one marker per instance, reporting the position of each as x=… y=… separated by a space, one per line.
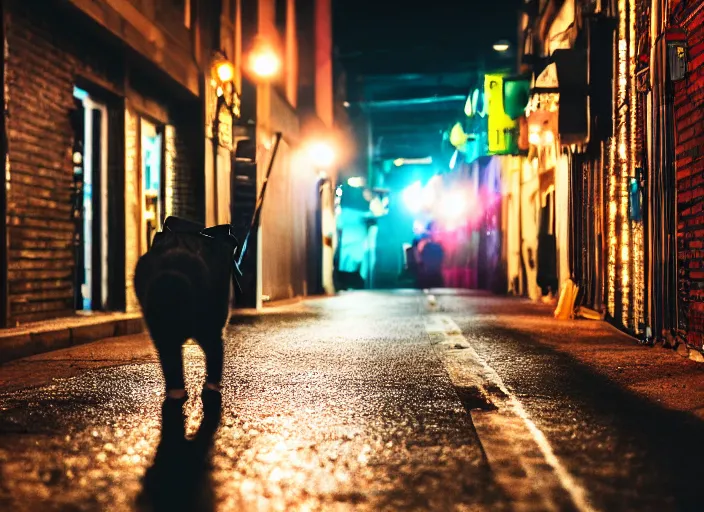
x=264 y=62
x=225 y=71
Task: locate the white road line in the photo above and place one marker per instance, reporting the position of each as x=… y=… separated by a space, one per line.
x=576 y=492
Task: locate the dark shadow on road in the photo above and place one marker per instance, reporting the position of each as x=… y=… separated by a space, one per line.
x=595 y=425
x=180 y=477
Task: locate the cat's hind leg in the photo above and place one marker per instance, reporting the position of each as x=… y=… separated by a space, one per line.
x=171 y=359
x=212 y=345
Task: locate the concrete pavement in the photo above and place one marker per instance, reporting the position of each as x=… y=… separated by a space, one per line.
x=371 y=401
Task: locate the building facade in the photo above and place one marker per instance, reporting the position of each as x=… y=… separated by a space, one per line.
x=294 y=245
x=101 y=102
x=627 y=97
x=118 y=114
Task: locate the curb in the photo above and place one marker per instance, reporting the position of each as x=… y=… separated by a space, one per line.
x=38 y=340
x=276 y=306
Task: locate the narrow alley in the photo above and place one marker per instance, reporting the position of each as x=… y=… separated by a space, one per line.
x=366 y=401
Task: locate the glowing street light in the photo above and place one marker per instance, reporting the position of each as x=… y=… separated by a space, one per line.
x=502 y=46
x=412 y=196
x=454 y=206
x=413 y=161
x=225 y=71
x=263 y=61
x=356 y=182
x=322 y=154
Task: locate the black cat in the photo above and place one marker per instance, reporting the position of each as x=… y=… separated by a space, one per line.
x=183 y=286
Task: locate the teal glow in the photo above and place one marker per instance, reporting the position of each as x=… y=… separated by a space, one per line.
x=79 y=94
x=412 y=196
x=453 y=160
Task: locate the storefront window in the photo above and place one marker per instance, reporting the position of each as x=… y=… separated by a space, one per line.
x=151 y=178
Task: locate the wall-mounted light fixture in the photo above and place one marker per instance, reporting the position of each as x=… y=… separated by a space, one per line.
x=223 y=80
x=226 y=108
x=356 y=181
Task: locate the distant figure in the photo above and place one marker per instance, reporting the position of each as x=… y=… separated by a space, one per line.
x=183 y=286
x=413 y=263
x=431 y=259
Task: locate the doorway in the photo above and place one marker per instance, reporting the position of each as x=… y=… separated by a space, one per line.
x=91 y=203
x=152 y=200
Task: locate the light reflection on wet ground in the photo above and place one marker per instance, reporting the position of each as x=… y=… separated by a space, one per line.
x=341 y=406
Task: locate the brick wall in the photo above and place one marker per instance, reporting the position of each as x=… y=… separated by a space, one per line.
x=689 y=162
x=189 y=193
x=42 y=66
x=49 y=48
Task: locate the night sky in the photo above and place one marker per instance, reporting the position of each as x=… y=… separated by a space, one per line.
x=388 y=36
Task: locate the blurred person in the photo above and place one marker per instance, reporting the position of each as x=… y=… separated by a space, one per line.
x=431 y=259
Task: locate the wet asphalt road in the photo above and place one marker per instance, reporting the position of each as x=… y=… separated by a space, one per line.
x=343 y=404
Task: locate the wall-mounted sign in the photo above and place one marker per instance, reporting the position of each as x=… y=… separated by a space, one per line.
x=501 y=129
x=516 y=96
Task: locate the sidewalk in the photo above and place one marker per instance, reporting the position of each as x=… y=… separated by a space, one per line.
x=39 y=337
x=106 y=348
x=662 y=375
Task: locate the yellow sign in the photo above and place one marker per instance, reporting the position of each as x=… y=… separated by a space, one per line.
x=500 y=125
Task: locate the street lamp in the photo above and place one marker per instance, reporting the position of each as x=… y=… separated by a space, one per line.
x=501 y=46
x=264 y=63
x=322 y=154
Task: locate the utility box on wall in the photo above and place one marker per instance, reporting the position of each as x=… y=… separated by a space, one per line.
x=676 y=53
